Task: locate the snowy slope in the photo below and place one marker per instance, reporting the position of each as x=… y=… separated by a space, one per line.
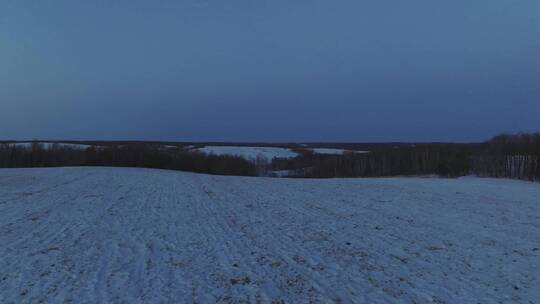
x=249 y=152
x=331 y=151
x=110 y=235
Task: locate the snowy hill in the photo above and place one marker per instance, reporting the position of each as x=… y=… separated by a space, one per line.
x=331 y=151
x=250 y=153
x=111 y=235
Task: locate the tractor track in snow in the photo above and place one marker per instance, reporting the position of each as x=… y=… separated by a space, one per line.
x=125 y=235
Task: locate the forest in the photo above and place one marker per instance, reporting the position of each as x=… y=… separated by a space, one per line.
x=130 y=155
x=507 y=156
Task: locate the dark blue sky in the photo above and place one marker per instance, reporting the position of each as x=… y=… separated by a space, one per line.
x=269 y=70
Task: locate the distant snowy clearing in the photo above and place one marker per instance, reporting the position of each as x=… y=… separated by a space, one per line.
x=112 y=235
x=49 y=145
x=250 y=153
x=331 y=151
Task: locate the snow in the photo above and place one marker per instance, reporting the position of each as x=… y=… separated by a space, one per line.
x=113 y=235
x=168 y=147
x=331 y=151
x=280 y=173
x=249 y=153
x=49 y=145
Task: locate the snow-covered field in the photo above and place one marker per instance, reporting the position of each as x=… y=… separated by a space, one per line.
x=250 y=153
x=110 y=235
x=331 y=151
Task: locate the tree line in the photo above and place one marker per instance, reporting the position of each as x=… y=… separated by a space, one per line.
x=133 y=155
x=441 y=159
x=510 y=156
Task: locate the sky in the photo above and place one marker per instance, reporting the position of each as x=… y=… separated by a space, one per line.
x=269 y=70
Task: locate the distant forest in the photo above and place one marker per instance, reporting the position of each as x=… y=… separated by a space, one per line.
x=510 y=156
x=129 y=155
